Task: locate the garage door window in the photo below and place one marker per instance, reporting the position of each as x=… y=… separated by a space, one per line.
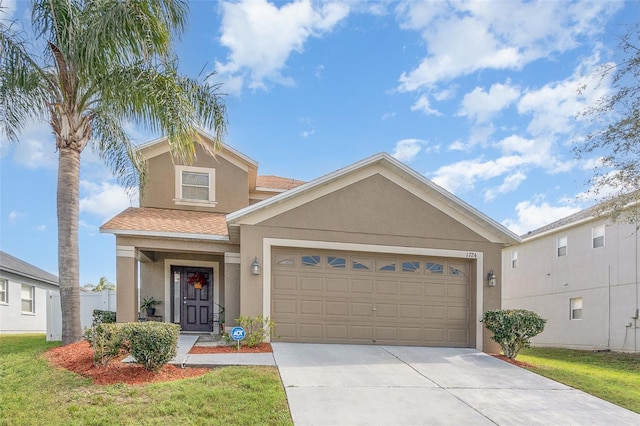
x=456 y=271
x=386 y=265
x=282 y=259
x=310 y=261
x=361 y=264
x=337 y=262
x=435 y=268
x=411 y=266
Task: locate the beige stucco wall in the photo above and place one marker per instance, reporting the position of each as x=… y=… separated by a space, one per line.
x=373 y=211
x=606 y=278
x=231 y=183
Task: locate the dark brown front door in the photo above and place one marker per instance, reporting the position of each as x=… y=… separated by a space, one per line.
x=196 y=293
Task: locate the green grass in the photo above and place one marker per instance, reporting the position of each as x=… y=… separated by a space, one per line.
x=612 y=376
x=34 y=393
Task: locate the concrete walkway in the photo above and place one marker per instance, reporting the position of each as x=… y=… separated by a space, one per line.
x=384 y=385
x=184 y=359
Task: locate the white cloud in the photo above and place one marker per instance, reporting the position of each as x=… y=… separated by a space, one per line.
x=388 y=115
x=509 y=184
x=15 y=215
x=7 y=9
x=480 y=105
x=261 y=36
x=423 y=104
x=104 y=200
x=532 y=216
x=41 y=228
x=35 y=147
x=464 y=37
x=407 y=149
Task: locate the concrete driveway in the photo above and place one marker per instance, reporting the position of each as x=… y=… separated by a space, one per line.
x=399 y=385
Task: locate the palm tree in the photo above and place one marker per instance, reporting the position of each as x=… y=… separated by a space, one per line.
x=103 y=63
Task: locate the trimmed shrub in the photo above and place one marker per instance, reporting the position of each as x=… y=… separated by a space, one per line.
x=256 y=329
x=103 y=317
x=152 y=344
x=513 y=328
x=106 y=342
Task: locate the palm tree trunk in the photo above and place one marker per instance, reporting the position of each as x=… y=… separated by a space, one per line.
x=68 y=252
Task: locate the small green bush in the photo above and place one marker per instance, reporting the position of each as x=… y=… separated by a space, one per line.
x=513 y=328
x=103 y=317
x=152 y=344
x=256 y=329
x=106 y=342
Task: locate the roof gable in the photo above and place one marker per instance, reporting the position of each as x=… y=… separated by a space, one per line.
x=393 y=170
x=160 y=146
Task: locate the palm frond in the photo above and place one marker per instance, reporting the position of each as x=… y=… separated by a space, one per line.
x=116 y=149
x=24 y=88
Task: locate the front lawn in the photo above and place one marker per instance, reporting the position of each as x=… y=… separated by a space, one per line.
x=34 y=393
x=612 y=376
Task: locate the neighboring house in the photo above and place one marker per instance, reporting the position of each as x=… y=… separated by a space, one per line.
x=371 y=253
x=581 y=274
x=23 y=296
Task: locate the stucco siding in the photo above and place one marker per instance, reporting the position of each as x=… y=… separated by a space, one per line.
x=13 y=320
x=373 y=212
x=231 y=183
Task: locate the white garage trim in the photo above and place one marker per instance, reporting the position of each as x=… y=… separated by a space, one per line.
x=269 y=243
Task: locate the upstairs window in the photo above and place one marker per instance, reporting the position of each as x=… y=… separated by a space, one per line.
x=514 y=259
x=3 y=291
x=597 y=235
x=195 y=185
x=576 y=308
x=561 y=246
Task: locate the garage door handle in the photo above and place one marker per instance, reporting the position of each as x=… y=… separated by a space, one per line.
x=374 y=309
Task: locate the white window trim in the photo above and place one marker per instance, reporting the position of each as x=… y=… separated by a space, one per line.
x=573 y=308
x=594 y=236
x=178 y=186
x=6 y=291
x=514 y=259
x=558 y=246
x=33 y=300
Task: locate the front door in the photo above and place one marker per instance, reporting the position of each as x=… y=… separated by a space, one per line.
x=196 y=293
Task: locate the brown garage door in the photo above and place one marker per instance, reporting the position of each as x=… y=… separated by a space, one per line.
x=345 y=297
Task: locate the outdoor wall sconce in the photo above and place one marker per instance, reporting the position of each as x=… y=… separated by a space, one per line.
x=255 y=267
x=491 y=278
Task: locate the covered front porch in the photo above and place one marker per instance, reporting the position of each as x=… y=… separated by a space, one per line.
x=186 y=260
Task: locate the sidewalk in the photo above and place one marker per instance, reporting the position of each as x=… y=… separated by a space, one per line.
x=184 y=359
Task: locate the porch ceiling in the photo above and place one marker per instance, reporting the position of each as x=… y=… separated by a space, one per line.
x=154 y=220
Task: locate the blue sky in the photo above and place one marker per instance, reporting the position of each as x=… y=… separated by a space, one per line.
x=479 y=96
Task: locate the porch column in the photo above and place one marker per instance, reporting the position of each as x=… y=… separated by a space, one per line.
x=231 y=288
x=127 y=284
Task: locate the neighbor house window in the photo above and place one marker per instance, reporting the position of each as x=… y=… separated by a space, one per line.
x=195 y=185
x=597 y=233
x=3 y=291
x=576 y=308
x=562 y=246
x=514 y=259
x=28 y=305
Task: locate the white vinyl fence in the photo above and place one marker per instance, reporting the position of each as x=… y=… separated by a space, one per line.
x=89 y=300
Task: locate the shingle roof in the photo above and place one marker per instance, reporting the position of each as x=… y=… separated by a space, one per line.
x=588 y=213
x=16 y=266
x=277 y=182
x=147 y=219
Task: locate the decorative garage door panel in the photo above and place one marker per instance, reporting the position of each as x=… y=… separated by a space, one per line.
x=338 y=297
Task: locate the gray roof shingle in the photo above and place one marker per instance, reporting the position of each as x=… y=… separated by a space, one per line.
x=16 y=266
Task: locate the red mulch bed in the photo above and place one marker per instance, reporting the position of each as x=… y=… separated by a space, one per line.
x=78 y=357
x=513 y=361
x=261 y=348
